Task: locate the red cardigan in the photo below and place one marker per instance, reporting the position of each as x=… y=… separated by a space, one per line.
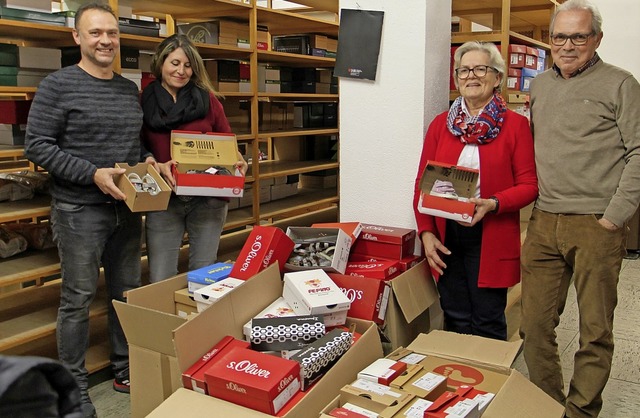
x=508 y=172
x=159 y=143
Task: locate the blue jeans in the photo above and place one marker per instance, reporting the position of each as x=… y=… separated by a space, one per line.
x=469 y=309
x=88 y=236
x=202 y=217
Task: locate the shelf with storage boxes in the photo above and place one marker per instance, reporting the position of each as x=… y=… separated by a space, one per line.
x=34 y=276
x=520 y=28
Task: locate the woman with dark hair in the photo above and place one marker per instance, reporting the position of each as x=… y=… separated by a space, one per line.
x=181 y=98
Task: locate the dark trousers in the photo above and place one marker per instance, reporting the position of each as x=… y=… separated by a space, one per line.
x=469 y=309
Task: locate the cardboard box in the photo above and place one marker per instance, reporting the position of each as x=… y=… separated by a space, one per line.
x=527 y=75
x=415 y=408
x=420 y=382
x=278 y=309
x=517 y=55
x=383 y=270
x=189 y=404
x=207 y=275
x=351 y=228
x=185 y=304
x=514 y=393
x=303 y=237
x=414 y=306
x=286 y=333
x=531 y=58
x=542 y=56
x=159 y=354
x=514 y=76
x=369 y=297
x=379 y=398
x=256 y=380
x=143 y=201
x=212 y=293
x=383 y=371
x=201 y=32
x=313 y=292
x=265 y=245
x=193 y=378
x=446 y=190
x=385 y=241
x=196 y=151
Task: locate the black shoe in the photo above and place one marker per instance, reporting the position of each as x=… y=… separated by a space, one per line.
x=121 y=382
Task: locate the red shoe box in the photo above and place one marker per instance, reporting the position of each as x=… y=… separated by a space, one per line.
x=517 y=54
x=255 y=380
x=351 y=228
x=404 y=264
x=382 y=270
x=193 y=377
x=483 y=398
x=450 y=404
x=264 y=246
x=369 y=297
x=385 y=241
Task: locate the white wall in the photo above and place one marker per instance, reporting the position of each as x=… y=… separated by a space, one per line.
x=383 y=122
x=621 y=27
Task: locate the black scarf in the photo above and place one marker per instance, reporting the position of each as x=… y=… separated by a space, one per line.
x=162 y=114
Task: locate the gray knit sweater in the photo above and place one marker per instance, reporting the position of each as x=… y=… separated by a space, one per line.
x=79 y=123
x=587 y=142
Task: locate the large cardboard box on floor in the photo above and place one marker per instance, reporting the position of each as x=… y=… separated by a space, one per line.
x=149 y=321
x=414 y=306
x=161 y=352
x=515 y=394
x=189 y=339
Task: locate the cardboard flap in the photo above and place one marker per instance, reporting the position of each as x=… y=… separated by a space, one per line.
x=519 y=394
x=187 y=403
x=222 y=317
x=138 y=322
x=157 y=296
x=471 y=349
x=415 y=291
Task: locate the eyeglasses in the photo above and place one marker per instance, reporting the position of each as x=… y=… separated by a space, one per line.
x=479 y=71
x=577 y=39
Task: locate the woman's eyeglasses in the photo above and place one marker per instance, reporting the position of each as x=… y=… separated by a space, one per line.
x=479 y=71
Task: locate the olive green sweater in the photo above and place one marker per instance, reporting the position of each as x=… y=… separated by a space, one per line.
x=587 y=142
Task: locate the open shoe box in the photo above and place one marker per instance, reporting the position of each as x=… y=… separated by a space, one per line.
x=197 y=151
x=159 y=354
x=515 y=394
x=143 y=201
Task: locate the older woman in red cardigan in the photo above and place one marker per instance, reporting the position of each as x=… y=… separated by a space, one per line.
x=475 y=263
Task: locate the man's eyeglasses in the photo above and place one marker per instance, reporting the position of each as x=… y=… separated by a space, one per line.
x=578 y=39
x=479 y=71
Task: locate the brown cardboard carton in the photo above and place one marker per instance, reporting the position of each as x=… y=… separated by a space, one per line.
x=190 y=340
x=140 y=201
x=413 y=307
x=516 y=393
x=149 y=322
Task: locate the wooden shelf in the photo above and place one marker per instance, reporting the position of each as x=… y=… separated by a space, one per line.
x=299 y=132
x=281 y=22
x=30 y=265
x=270 y=169
x=35 y=34
x=299 y=96
x=305 y=201
x=295 y=60
x=25 y=209
x=189 y=9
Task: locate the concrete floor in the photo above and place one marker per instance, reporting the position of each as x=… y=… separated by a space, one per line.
x=621 y=396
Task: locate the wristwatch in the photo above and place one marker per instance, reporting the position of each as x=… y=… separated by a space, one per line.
x=495 y=199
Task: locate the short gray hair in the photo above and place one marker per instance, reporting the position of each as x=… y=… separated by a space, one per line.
x=495 y=58
x=596 y=17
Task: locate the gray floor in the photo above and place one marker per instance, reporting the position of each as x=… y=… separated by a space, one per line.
x=621 y=396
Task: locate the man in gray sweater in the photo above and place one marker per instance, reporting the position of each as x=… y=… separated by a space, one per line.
x=85 y=118
x=585 y=117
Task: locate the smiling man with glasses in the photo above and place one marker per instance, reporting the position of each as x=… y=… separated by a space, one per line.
x=585 y=117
